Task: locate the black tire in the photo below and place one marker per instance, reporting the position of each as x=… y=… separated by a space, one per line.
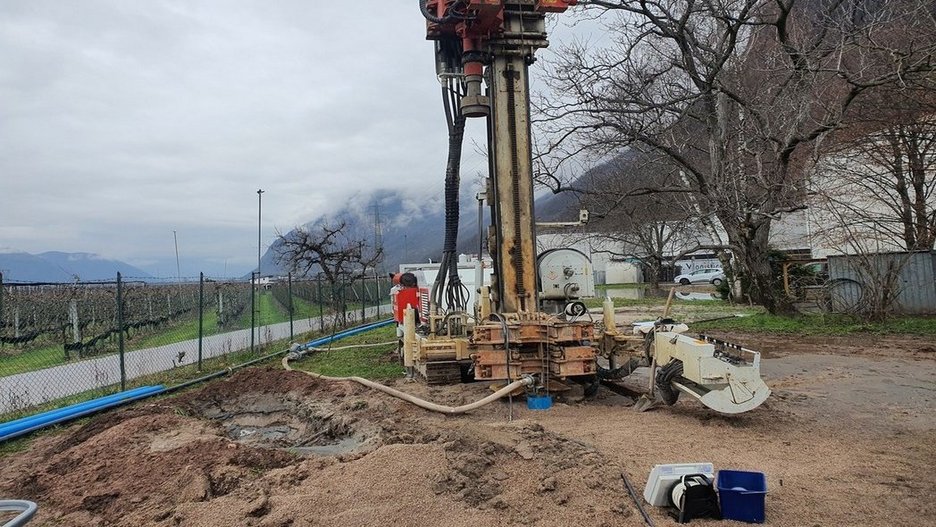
x=467 y=373
x=684 y=281
x=716 y=281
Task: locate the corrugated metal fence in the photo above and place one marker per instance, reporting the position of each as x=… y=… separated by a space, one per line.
x=915 y=284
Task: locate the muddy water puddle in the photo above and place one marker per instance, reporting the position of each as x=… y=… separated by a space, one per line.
x=342 y=446
x=306 y=428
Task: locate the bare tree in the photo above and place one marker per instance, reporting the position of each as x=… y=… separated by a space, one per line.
x=734 y=92
x=637 y=219
x=330 y=250
x=873 y=291
x=874 y=195
x=882 y=182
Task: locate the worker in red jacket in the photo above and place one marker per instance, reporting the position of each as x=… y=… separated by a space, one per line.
x=405 y=292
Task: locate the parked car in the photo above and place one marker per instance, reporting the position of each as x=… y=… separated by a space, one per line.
x=709 y=275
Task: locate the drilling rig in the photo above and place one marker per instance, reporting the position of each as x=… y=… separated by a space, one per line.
x=483 y=53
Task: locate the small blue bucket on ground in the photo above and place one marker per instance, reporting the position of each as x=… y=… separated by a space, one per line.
x=741 y=495
x=539 y=402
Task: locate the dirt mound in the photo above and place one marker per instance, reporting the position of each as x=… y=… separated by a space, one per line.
x=275 y=449
x=137 y=468
x=267 y=447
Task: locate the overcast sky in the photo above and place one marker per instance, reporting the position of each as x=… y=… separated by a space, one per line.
x=123 y=121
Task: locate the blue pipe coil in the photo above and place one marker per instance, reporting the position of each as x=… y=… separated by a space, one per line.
x=70 y=409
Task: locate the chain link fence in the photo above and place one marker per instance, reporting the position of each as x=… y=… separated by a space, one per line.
x=62 y=343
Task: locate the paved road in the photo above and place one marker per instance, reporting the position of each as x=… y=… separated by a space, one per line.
x=36 y=387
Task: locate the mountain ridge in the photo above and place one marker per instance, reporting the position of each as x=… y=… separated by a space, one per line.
x=64 y=267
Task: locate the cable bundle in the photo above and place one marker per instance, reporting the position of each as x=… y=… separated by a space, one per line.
x=448 y=290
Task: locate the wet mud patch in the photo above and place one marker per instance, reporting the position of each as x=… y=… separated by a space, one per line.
x=301 y=425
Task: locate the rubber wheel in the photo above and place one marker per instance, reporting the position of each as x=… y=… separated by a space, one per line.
x=716 y=281
x=684 y=281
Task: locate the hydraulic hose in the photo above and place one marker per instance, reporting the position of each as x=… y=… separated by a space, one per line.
x=422 y=403
x=448 y=286
x=429 y=16
x=436 y=19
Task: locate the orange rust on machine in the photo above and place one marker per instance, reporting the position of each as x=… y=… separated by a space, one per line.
x=534 y=332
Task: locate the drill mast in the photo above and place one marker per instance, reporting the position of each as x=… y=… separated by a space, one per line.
x=491 y=44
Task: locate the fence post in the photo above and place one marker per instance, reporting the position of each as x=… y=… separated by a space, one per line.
x=201 y=315
x=120 y=336
x=363 y=297
x=318 y=282
x=75 y=326
x=289 y=292
x=2 y=320
x=253 y=311
x=377 y=292
x=344 y=303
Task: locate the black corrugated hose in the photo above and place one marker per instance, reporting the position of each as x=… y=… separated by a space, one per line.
x=448 y=290
x=453 y=14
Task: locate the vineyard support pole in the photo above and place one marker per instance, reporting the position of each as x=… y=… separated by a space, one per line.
x=377 y=292
x=289 y=292
x=2 y=320
x=343 y=288
x=201 y=316
x=120 y=335
x=363 y=297
x=253 y=311
x=318 y=282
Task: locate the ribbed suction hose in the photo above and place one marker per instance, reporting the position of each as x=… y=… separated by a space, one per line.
x=422 y=403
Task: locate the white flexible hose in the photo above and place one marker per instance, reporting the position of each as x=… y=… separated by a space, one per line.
x=25 y=511
x=422 y=403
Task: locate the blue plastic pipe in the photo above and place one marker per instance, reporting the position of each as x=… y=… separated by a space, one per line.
x=70 y=409
x=90 y=407
x=346 y=333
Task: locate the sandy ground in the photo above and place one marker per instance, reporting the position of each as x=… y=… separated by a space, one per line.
x=847 y=438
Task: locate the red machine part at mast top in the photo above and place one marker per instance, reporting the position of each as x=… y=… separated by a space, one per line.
x=478 y=19
x=474 y=21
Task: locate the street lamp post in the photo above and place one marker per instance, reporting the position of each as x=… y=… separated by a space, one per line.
x=175 y=238
x=259 y=210
x=259 y=243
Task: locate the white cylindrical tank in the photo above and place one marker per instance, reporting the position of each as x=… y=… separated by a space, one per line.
x=565 y=274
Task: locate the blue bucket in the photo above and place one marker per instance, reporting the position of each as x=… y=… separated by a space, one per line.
x=742 y=495
x=539 y=402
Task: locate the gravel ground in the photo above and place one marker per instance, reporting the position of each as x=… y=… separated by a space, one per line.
x=847 y=438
